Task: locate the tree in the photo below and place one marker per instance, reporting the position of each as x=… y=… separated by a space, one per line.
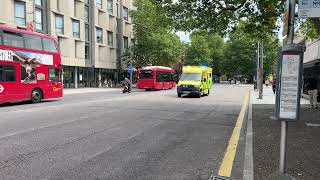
x=311 y=28
x=240 y=53
x=205 y=48
x=155 y=41
x=222 y=16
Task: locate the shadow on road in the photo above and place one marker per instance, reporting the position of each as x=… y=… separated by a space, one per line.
x=26 y=102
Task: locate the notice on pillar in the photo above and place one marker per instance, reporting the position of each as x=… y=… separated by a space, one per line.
x=289 y=87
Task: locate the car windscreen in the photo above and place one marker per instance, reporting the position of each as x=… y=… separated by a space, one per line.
x=190 y=77
x=146 y=74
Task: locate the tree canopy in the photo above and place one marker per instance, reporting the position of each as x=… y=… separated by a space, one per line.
x=155 y=41
x=233 y=56
x=205 y=49
x=311 y=28
x=221 y=16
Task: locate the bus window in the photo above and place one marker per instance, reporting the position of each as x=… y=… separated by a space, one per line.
x=33 y=42
x=146 y=74
x=54 y=75
x=12 y=39
x=49 y=45
x=7 y=73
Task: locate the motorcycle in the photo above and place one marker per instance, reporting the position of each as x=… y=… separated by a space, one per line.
x=126 y=89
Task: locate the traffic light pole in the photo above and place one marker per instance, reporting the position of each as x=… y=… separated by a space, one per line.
x=261 y=71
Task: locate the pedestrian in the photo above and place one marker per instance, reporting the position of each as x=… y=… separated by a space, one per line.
x=105 y=83
x=110 y=83
x=267 y=82
x=311 y=85
x=274 y=86
x=255 y=85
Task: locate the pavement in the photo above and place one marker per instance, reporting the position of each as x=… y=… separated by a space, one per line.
x=104 y=134
x=303 y=145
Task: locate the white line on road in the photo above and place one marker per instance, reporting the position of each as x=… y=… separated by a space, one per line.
x=51 y=125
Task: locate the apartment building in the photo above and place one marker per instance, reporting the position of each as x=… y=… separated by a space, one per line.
x=88 y=32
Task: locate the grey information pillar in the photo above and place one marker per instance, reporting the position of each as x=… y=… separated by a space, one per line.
x=288 y=93
x=75 y=77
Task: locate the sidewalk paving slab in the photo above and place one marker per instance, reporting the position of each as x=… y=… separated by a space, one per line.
x=303 y=145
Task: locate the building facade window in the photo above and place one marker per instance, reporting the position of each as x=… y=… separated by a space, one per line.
x=99 y=3
x=99 y=35
x=87 y=33
x=38 y=2
x=38 y=20
x=125 y=13
x=76 y=28
x=20 y=12
x=117 y=10
x=40 y=15
x=86 y=51
x=86 y=14
x=110 y=39
x=59 y=24
x=125 y=42
x=110 y=6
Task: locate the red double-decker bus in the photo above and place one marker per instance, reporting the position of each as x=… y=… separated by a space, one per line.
x=156 y=77
x=30 y=66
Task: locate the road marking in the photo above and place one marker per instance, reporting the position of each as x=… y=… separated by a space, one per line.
x=227 y=163
x=248 y=159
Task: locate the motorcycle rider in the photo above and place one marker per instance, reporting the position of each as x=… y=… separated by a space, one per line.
x=127 y=83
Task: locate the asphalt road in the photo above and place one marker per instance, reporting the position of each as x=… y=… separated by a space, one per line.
x=108 y=135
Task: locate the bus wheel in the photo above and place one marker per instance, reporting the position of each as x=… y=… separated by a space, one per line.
x=36 y=96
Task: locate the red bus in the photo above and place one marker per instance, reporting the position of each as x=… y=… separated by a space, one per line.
x=156 y=77
x=30 y=66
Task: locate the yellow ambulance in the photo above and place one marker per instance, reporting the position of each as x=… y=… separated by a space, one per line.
x=195 y=80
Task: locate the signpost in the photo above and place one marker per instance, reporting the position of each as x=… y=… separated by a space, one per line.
x=290 y=80
x=309 y=8
x=130 y=71
x=289 y=92
x=289 y=77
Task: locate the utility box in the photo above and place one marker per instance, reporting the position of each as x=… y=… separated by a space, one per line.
x=289 y=82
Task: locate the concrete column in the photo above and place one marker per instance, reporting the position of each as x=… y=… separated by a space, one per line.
x=75 y=77
x=99 y=77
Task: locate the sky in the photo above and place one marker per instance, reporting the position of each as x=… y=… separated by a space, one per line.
x=184 y=36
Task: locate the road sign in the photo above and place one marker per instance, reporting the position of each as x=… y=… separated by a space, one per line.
x=309 y=8
x=130 y=69
x=289 y=85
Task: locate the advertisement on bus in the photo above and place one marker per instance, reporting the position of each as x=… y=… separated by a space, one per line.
x=28 y=62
